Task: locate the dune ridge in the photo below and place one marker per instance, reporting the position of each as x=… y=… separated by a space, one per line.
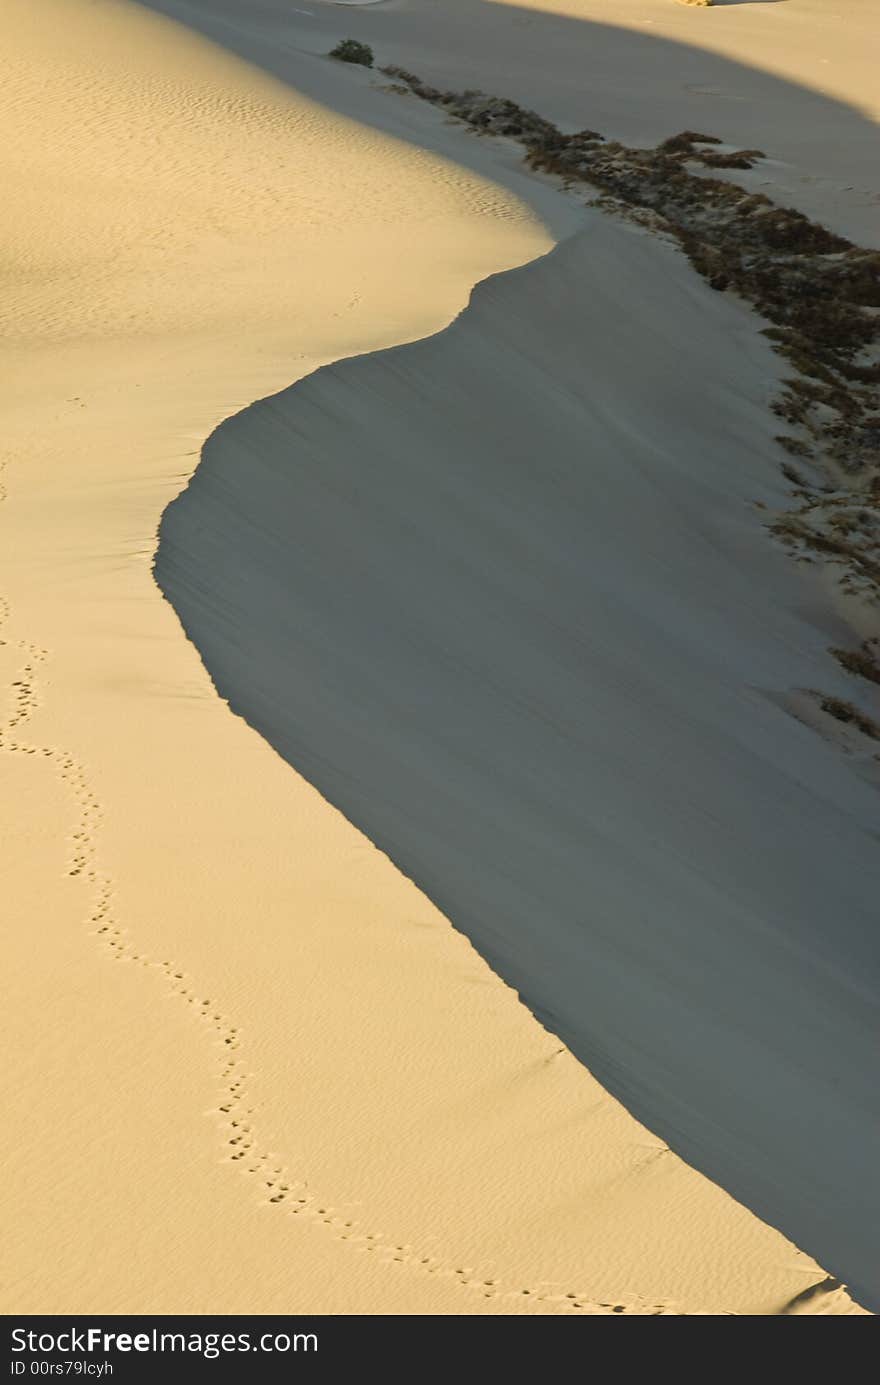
x=793 y=75
x=281 y=1187
x=169 y=263
x=567 y=720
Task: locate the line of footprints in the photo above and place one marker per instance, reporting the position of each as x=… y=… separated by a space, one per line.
x=278 y=1187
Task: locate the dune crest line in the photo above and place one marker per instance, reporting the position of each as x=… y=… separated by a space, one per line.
x=819 y=291
x=509 y=578
x=558 y=687
x=279 y=1188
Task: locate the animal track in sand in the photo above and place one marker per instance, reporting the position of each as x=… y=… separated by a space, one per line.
x=277 y=1187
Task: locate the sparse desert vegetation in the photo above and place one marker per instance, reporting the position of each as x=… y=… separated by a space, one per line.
x=818 y=291
x=850 y=715
x=350 y=50
x=863 y=662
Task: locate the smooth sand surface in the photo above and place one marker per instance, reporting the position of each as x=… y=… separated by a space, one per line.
x=795 y=78
x=513 y=610
x=255 y=1068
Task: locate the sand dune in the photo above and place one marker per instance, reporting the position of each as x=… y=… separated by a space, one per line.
x=796 y=78
x=196 y=933
x=504 y=597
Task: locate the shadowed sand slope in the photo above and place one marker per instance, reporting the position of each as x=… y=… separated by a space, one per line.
x=252 y=1068
x=796 y=79
x=504 y=598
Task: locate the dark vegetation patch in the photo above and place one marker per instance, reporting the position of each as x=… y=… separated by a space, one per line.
x=863 y=662
x=819 y=294
x=350 y=50
x=851 y=715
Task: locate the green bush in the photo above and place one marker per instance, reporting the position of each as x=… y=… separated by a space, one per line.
x=349 y=50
